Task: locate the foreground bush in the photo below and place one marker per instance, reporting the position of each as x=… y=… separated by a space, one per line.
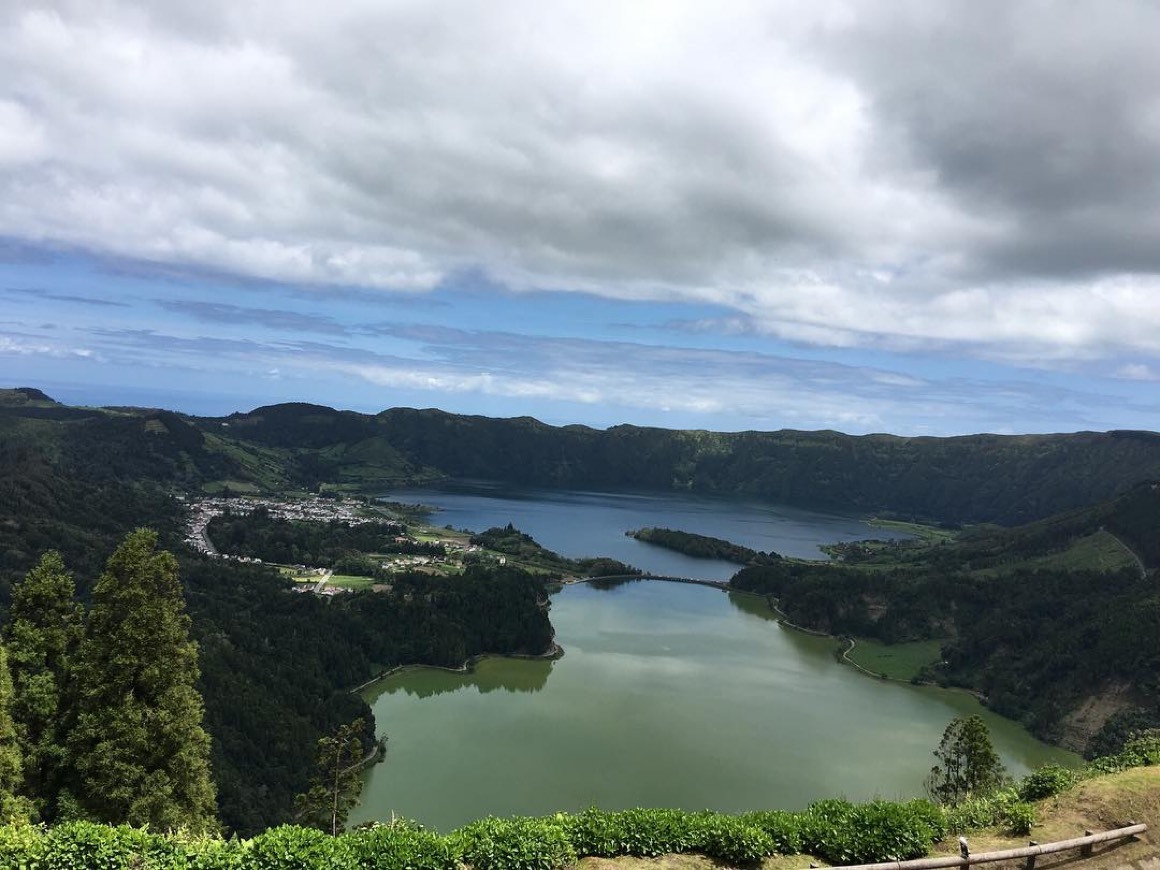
x=1003 y=809
x=836 y=830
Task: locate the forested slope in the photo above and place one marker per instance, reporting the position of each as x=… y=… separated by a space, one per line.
x=1070 y=650
x=1003 y=479
x=976 y=478
x=276 y=667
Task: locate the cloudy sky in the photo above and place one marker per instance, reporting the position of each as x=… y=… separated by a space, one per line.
x=915 y=217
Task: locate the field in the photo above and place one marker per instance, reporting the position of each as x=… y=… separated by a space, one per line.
x=899 y=661
x=349 y=581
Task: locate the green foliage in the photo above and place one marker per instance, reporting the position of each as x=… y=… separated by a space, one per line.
x=730 y=838
x=336 y=785
x=12 y=806
x=139 y=750
x=703 y=546
x=1140 y=750
x=21 y=846
x=837 y=830
x=781 y=827
x=1019 y=818
x=514 y=844
x=842 y=832
x=42 y=634
x=289 y=847
x=1046 y=781
x=1003 y=808
x=401 y=846
x=330 y=544
x=92 y=846
x=969 y=765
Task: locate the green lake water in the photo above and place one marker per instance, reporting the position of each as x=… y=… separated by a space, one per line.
x=667 y=695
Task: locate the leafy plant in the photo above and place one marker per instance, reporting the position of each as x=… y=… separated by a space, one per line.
x=1048 y=780
x=514 y=844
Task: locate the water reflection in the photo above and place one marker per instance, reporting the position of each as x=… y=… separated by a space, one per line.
x=754 y=605
x=489 y=675
x=612 y=582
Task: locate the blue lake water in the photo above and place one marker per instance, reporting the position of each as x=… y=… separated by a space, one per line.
x=578 y=523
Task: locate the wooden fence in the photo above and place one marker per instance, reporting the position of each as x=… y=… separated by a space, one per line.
x=1030 y=853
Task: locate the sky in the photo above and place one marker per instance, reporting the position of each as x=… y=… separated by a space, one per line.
x=910 y=217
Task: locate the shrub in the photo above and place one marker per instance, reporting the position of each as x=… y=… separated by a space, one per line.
x=1019 y=817
x=514 y=844
x=1140 y=750
x=729 y=838
x=92 y=846
x=293 y=848
x=652 y=832
x=1004 y=808
x=400 y=846
x=21 y=845
x=823 y=822
x=595 y=833
x=781 y=827
x=1046 y=781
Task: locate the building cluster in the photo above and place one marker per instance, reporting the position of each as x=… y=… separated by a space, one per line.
x=202 y=511
x=322 y=510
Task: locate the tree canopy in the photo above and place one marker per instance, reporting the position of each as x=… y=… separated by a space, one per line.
x=968 y=764
x=140 y=753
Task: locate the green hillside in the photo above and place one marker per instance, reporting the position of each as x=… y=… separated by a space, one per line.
x=1056 y=622
x=992 y=478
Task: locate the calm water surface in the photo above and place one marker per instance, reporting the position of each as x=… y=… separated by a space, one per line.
x=577 y=524
x=668 y=695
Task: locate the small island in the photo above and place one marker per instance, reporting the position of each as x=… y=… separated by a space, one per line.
x=703 y=546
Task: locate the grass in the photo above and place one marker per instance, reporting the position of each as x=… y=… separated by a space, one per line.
x=1100 y=551
x=1099 y=804
x=931 y=534
x=349 y=581
x=898 y=661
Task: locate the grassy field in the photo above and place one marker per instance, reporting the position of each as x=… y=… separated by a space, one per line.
x=1100 y=551
x=349 y=581
x=899 y=661
x=931 y=534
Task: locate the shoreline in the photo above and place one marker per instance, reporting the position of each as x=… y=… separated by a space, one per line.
x=555 y=651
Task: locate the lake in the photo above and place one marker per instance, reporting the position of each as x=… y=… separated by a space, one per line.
x=667 y=695
x=577 y=523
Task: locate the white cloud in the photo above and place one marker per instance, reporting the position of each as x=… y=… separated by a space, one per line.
x=982 y=180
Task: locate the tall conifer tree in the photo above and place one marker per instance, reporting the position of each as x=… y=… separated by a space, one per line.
x=13 y=807
x=42 y=634
x=140 y=752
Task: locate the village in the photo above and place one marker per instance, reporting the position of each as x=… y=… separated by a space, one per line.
x=439 y=551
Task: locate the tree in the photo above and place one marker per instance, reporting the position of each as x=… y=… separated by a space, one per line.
x=12 y=806
x=336 y=784
x=139 y=750
x=42 y=635
x=969 y=766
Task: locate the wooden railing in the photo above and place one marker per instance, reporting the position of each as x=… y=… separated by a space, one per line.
x=1030 y=852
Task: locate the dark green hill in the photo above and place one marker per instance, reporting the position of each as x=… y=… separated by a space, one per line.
x=992 y=478
x=977 y=478
x=276 y=667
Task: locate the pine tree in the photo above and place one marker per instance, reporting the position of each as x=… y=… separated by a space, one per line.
x=139 y=750
x=334 y=790
x=42 y=635
x=970 y=766
x=13 y=807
